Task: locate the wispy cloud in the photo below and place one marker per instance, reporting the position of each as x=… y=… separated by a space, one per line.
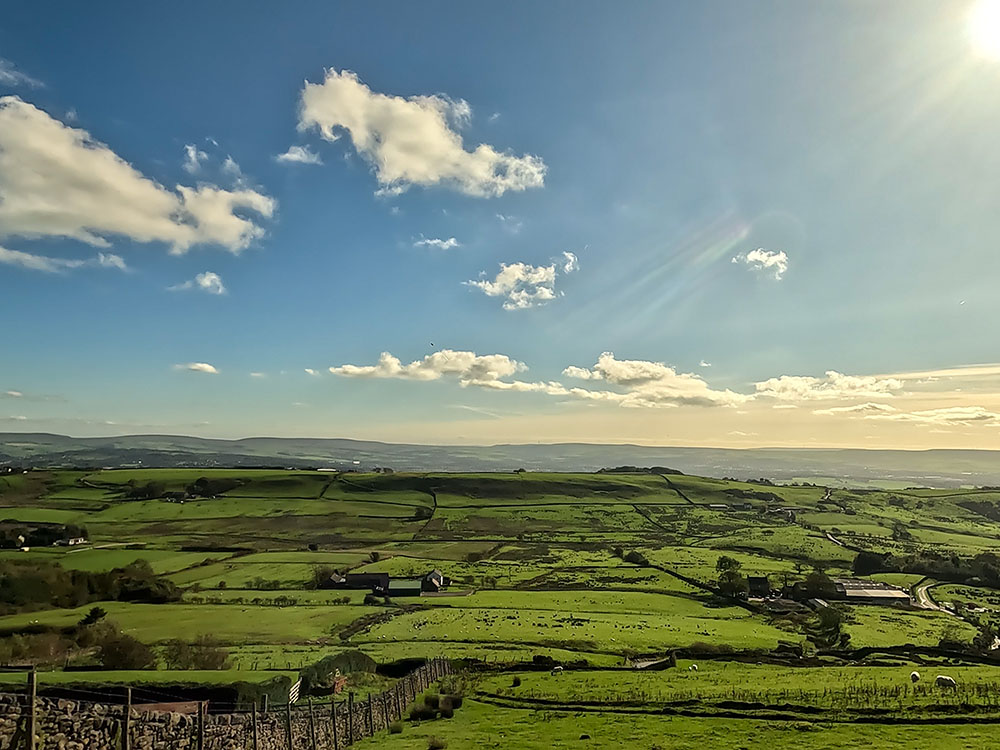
x=199 y=367
x=11 y=76
x=208 y=282
x=299 y=155
x=48 y=264
x=447 y=244
x=193 y=158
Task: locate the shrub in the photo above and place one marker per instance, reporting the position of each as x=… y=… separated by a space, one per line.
x=436 y=743
x=447 y=712
x=432 y=700
x=121 y=651
x=422 y=713
x=451 y=702
x=396 y=727
x=516 y=682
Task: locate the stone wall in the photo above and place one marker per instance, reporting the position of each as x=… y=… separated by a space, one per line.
x=80 y=725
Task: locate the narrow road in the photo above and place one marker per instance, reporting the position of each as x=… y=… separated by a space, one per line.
x=924 y=600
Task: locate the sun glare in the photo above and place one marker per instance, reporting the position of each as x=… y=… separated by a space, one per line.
x=984 y=28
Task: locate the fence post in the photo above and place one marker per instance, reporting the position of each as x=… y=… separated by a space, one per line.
x=312 y=722
x=127 y=720
x=371 y=719
x=288 y=724
x=385 y=711
x=201 y=725
x=395 y=693
x=333 y=718
x=253 y=719
x=32 y=695
x=350 y=718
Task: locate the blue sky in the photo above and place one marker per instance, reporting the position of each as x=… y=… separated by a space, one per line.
x=702 y=208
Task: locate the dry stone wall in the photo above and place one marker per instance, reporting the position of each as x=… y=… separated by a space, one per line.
x=79 y=725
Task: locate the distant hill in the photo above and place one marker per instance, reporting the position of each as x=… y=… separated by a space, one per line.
x=938 y=468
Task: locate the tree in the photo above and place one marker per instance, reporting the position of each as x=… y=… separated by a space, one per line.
x=867 y=563
x=321 y=575
x=121 y=651
x=733 y=583
x=375 y=555
x=818 y=585
x=725 y=563
x=93 y=616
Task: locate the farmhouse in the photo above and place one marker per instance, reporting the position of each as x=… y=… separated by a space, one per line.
x=758 y=586
x=435 y=581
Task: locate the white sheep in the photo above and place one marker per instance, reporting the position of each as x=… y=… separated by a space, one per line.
x=693 y=668
x=943 y=681
x=914 y=676
x=557 y=670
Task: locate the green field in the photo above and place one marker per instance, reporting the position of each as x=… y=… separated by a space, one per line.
x=537 y=570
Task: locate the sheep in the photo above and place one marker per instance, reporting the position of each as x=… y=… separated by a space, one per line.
x=914 y=676
x=557 y=670
x=943 y=681
x=693 y=668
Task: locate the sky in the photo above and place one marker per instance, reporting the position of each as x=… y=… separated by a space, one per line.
x=718 y=224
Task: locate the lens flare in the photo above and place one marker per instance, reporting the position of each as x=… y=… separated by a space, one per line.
x=984 y=28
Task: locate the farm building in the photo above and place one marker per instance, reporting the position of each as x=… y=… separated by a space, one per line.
x=873 y=592
x=435 y=581
x=758 y=586
x=376 y=582
x=405 y=587
x=718 y=506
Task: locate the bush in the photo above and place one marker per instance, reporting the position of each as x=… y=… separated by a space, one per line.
x=121 y=651
x=451 y=702
x=422 y=713
x=432 y=700
x=436 y=743
x=447 y=712
x=396 y=727
x=516 y=682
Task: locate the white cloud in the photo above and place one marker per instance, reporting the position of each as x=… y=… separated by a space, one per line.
x=11 y=76
x=703 y=363
x=648 y=384
x=952 y=415
x=258 y=374
x=765 y=260
x=193 y=157
x=525 y=285
x=18 y=418
x=47 y=264
x=834 y=386
x=311 y=371
x=859 y=409
x=13 y=394
x=468 y=367
x=447 y=244
x=413 y=141
x=110 y=260
x=57 y=181
x=299 y=155
x=207 y=281
x=202 y=367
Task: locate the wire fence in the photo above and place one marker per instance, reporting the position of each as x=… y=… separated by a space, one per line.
x=32 y=722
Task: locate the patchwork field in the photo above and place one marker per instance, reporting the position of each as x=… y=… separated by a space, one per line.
x=607 y=571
